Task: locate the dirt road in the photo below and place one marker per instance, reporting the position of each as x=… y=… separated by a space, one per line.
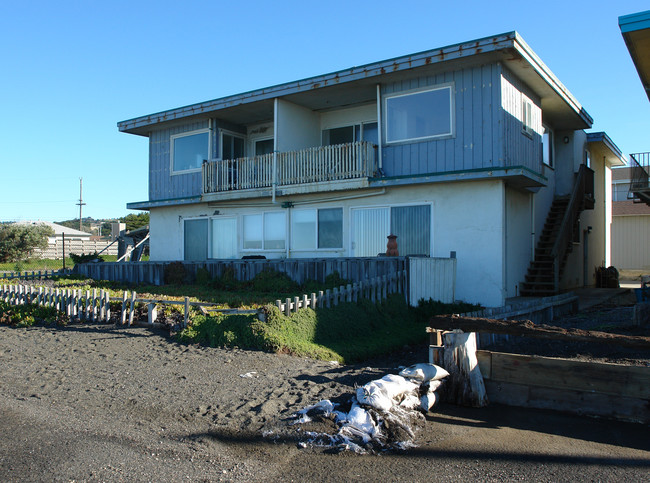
x=98 y=403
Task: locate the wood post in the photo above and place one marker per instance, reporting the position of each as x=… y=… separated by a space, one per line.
x=186 y=316
x=123 y=318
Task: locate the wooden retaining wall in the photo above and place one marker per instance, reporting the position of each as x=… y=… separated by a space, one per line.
x=587 y=388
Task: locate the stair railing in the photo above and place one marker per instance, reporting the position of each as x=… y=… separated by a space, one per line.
x=581 y=188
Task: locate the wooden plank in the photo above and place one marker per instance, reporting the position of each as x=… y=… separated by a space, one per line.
x=577 y=402
x=528 y=329
x=613 y=379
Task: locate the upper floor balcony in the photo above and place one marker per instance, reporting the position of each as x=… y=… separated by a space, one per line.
x=307 y=170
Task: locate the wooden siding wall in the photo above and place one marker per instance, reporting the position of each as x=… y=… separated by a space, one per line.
x=630 y=235
x=162 y=185
x=520 y=149
x=478 y=142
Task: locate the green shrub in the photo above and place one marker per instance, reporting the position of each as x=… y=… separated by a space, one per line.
x=203 y=276
x=271 y=281
x=28 y=315
x=175 y=273
x=227 y=280
x=85 y=258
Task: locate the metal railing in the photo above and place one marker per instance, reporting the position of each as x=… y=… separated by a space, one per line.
x=640 y=177
x=312 y=165
x=583 y=190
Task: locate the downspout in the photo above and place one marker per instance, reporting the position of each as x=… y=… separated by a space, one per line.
x=275 y=150
x=380 y=163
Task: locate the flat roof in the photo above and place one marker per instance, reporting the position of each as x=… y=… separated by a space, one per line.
x=357 y=84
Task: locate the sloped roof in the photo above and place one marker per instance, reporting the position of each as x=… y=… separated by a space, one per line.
x=629 y=208
x=58 y=229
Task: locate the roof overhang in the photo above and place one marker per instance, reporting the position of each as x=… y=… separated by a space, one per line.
x=357 y=85
x=635 y=29
x=612 y=153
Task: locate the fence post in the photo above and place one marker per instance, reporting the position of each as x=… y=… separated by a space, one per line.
x=108 y=306
x=327 y=298
x=287 y=307
x=312 y=301
x=278 y=304
x=132 y=308
x=336 y=296
x=187 y=312
x=304 y=301
x=124 y=308
x=348 y=295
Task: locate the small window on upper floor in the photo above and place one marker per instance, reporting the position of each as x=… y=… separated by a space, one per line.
x=419 y=115
x=527 y=116
x=366 y=131
x=263 y=146
x=547 y=146
x=232 y=146
x=189 y=150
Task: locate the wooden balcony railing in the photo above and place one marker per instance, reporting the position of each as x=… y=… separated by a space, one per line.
x=312 y=165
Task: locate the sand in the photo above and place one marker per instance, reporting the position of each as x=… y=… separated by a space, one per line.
x=100 y=403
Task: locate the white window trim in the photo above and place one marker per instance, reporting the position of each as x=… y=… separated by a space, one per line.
x=173 y=138
x=317 y=249
x=267 y=250
x=452 y=116
x=527 y=116
x=241 y=136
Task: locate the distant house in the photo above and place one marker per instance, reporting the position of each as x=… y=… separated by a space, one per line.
x=474 y=148
x=76 y=241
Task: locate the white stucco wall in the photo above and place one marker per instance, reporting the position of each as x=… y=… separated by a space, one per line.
x=519 y=247
x=296 y=127
x=467 y=217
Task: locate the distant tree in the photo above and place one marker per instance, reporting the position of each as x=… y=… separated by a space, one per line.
x=18 y=242
x=133 y=221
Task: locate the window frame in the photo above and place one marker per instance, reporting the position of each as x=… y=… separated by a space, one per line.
x=264 y=249
x=452 y=113
x=551 y=144
x=234 y=134
x=316 y=231
x=172 y=141
x=390 y=206
x=527 y=116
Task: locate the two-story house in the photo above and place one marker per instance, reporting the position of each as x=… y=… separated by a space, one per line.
x=461 y=149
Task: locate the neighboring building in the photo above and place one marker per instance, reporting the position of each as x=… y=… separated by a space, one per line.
x=470 y=148
x=76 y=241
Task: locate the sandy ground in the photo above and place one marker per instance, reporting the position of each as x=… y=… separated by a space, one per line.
x=99 y=403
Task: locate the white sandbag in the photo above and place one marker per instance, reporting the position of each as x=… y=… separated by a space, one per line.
x=424 y=372
x=359 y=423
x=410 y=401
x=383 y=393
x=428 y=400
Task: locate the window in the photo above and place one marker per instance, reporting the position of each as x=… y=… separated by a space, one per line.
x=411 y=224
x=349 y=134
x=527 y=116
x=224 y=238
x=195 y=240
x=263 y=146
x=312 y=229
x=419 y=115
x=265 y=231
x=189 y=150
x=232 y=146
x=547 y=147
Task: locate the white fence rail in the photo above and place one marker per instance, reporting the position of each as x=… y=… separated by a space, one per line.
x=35 y=275
x=375 y=289
x=322 y=163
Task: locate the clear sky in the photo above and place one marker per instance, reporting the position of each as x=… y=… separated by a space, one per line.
x=70 y=70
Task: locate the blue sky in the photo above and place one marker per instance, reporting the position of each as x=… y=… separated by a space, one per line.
x=72 y=69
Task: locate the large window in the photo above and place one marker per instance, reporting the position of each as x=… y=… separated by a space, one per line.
x=311 y=229
x=189 y=150
x=265 y=231
x=196 y=239
x=419 y=115
x=224 y=238
x=411 y=224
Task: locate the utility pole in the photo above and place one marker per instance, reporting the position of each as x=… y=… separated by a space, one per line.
x=81 y=202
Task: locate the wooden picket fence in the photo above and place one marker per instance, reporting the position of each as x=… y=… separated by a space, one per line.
x=374 y=289
x=95 y=306
x=35 y=275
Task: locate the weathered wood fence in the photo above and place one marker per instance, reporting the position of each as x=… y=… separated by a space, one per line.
x=35 y=275
x=375 y=289
x=299 y=270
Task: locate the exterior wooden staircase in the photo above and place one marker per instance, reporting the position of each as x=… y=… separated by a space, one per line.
x=561 y=231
